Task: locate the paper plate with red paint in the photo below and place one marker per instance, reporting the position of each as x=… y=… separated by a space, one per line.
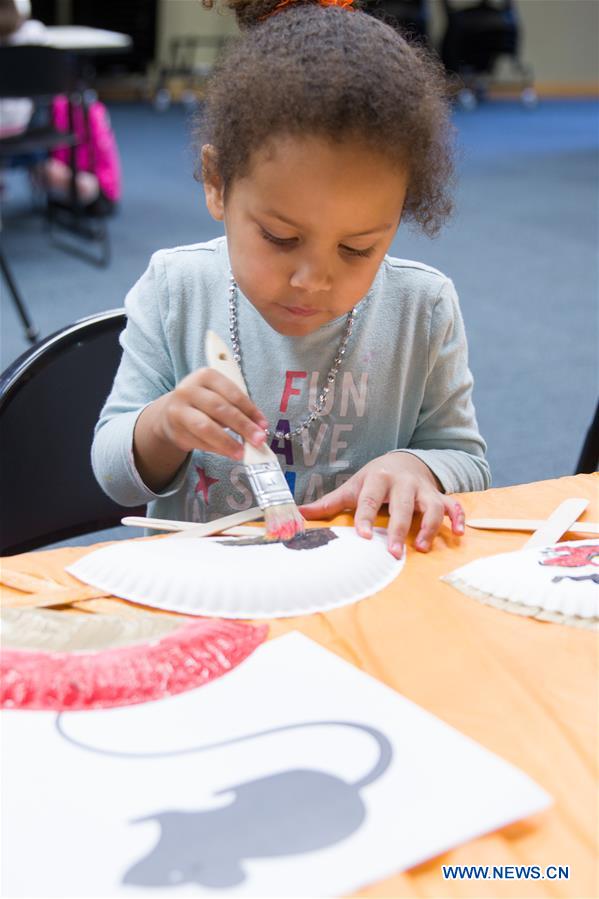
x=52 y=660
x=244 y=577
x=553 y=583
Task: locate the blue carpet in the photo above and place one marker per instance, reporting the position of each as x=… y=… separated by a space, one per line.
x=522 y=250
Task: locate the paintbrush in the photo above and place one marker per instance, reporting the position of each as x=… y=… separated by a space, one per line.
x=282 y=517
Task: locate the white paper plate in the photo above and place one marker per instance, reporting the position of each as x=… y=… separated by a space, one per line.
x=202 y=576
x=555 y=583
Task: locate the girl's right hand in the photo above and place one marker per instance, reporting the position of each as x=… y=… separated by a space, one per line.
x=196 y=413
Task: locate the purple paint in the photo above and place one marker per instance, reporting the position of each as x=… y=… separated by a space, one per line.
x=312 y=538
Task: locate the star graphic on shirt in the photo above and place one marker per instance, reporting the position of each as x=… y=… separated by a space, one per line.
x=204 y=483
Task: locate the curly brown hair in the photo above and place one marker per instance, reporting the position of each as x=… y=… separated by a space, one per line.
x=339 y=74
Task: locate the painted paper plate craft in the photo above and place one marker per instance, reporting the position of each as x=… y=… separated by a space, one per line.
x=248 y=577
x=554 y=583
x=51 y=660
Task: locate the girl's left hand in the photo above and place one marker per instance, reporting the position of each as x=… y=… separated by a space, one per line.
x=408 y=486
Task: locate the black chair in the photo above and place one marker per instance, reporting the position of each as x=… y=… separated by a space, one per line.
x=588 y=461
x=41 y=73
x=475 y=39
x=409 y=16
x=50 y=398
x=38 y=73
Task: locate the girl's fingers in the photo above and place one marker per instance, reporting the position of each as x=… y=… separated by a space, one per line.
x=373 y=494
x=218 y=383
x=433 y=512
x=456 y=516
x=332 y=503
x=209 y=436
x=225 y=413
x=401 y=512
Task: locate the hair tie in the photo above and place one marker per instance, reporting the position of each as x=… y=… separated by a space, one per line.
x=344 y=4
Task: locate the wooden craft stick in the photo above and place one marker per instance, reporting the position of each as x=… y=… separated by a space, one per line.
x=28 y=583
x=527 y=524
x=32 y=601
x=200 y=530
x=114 y=606
x=560 y=521
x=61 y=597
x=243 y=530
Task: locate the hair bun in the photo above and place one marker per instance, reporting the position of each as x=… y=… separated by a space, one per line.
x=251 y=12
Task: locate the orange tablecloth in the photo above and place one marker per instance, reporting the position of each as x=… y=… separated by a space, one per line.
x=525 y=689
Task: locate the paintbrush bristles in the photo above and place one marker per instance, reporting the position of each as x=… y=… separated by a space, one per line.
x=283 y=521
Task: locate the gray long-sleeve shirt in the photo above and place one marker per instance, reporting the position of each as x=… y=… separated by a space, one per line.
x=404 y=384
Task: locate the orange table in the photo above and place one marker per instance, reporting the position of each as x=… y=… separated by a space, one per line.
x=525 y=689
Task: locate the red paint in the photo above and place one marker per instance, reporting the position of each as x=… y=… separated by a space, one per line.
x=572 y=556
x=194 y=654
x=289 y=389
x=285 y=531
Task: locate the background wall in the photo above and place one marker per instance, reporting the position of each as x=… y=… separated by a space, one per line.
x=559 y=36
x=178 y=18
x=562 y=39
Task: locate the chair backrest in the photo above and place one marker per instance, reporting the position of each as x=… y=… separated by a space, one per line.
x=412 y=16
x=36 y=71
x=452 y=7
x=50 y=399
x=588 y=461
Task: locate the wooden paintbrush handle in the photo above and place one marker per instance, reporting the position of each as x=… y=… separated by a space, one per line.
x=220 y=359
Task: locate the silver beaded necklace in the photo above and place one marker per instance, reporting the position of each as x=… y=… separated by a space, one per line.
x=331 y=376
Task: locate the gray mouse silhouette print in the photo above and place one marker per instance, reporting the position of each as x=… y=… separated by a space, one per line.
x=288 y=813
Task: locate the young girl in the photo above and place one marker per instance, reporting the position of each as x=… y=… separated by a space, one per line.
x=322 y=130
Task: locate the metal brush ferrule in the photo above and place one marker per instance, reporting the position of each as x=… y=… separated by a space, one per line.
x=268 y=484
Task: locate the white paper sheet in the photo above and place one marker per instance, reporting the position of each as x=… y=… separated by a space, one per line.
x=361 y=784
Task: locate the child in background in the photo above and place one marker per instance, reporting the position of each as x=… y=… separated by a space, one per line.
x=50 y=175
x=322 y=130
